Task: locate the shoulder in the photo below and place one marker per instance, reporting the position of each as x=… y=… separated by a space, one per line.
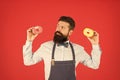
x=48 y=43
x=77 y=46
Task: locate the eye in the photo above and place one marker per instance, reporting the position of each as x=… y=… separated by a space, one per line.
x=62 y=27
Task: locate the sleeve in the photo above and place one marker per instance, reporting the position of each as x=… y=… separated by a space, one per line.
x=92 y=61
x=29 y=57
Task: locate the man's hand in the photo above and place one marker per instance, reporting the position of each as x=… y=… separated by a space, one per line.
x=33 y=32
x=94 y=39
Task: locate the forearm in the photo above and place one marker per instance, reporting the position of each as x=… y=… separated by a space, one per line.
x=28 y=57
x=94 y=60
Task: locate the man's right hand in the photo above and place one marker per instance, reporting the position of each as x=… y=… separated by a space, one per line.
x=31 y=34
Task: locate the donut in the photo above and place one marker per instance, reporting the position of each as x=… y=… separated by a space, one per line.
x=36 y=29
x=88 y=32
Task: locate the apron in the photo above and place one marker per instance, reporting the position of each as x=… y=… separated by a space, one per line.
x=62 y=70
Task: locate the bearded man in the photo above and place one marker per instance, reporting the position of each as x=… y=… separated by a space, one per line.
x=60 y=55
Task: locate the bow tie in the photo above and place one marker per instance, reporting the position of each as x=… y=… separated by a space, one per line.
x=63 y=44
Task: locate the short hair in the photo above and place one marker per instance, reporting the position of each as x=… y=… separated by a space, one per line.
x=68 y=20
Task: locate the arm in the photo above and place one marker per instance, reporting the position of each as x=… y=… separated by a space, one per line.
x=92 y=61
x=29 y=57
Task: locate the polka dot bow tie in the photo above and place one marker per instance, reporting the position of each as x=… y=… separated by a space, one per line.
x=63 y=44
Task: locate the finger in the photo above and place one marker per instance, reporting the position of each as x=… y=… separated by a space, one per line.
x=89 y=38
x=96 y=33
x=29 y=29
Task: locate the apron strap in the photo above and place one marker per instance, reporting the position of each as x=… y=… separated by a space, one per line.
x=73 y=53
x=53 y=51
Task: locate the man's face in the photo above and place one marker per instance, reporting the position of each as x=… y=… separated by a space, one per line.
x=62 y=32
x=63 y=27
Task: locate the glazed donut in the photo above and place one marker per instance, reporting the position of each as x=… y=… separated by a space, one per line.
x=88 y=32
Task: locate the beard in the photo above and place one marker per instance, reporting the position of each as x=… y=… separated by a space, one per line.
x=59 y=37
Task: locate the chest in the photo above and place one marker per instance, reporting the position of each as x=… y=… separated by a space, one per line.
x=63 y=54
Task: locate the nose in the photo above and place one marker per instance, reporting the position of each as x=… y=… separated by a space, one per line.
x=58 y=28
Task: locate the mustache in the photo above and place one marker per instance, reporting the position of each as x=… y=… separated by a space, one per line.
x=58 y=33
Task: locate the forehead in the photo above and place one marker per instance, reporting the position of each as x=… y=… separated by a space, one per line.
x=63 y=23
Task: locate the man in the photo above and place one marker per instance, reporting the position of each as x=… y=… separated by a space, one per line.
x=60 y=55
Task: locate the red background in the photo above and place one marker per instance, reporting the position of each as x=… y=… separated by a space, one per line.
x=17 y=16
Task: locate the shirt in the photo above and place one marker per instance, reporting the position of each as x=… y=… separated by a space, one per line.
x=62 y=53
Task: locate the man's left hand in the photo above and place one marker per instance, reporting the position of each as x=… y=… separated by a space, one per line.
x=95 y=39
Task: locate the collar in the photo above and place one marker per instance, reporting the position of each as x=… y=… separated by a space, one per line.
x=65 y=44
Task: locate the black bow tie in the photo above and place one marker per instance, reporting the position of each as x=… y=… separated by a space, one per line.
x=65 y=44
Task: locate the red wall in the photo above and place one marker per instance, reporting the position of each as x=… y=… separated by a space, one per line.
x=17 y=16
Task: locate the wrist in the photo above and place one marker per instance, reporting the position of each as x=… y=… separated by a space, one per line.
x=95 y=43
x=96 y=46
x=30 y=40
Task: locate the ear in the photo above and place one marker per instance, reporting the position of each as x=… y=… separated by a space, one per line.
x=70 y=32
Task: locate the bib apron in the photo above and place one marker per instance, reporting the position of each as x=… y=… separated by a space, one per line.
x=62 y=70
